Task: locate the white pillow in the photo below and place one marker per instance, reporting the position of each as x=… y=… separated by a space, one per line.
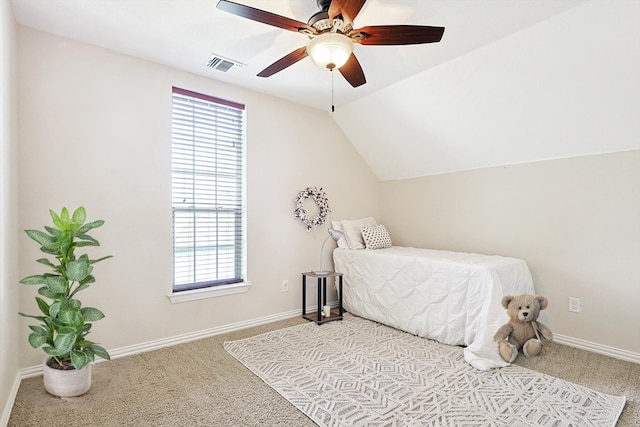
x=352 y=229
x=376 y=237
x=342 y=242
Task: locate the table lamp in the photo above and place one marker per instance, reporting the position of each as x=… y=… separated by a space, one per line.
x=335 y=235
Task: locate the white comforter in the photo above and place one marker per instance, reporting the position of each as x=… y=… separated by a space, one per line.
x=451 y=297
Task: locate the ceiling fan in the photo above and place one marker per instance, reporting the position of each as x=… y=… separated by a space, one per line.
x=332 y=36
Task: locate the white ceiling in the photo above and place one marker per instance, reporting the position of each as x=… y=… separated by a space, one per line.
x=184 y=33
x=512 y=81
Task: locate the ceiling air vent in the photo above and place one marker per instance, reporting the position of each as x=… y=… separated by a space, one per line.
x=223 y=64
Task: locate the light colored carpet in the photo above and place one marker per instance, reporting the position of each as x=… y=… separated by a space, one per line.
x=361 y=373
x=200 y=384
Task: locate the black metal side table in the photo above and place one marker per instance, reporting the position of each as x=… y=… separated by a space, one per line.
x=322 y=297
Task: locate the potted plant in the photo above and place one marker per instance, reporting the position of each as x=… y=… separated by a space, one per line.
x=64 y=322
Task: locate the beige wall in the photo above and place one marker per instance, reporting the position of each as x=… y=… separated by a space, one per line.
x=95 y=131
x=576 y=222
x=8 y=211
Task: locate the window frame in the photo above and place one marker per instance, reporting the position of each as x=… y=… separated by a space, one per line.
x=212 y=288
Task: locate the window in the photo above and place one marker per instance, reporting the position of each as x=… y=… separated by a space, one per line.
x=207 y=139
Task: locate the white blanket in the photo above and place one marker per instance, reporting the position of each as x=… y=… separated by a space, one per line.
x=451 y=297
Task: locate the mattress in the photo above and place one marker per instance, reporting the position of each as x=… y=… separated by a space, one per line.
x=452 y=297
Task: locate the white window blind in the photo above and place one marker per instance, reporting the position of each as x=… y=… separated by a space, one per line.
x=207 y=190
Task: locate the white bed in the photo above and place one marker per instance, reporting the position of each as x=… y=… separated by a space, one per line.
x=450 y=297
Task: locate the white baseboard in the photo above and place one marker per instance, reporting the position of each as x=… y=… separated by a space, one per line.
x=4 y=419
x=192 y=336
x=117 y=353
x=616 y=353
x=178 y=339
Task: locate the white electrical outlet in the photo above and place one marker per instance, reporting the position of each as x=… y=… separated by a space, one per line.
x=574 y=305
x=285 y=286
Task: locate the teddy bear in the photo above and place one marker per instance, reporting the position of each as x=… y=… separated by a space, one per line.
x=523 y=331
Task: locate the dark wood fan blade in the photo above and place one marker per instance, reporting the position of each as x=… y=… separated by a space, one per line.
x=263 y=16
x=349 y=9
x=352 y=72
x=284 y=62
x=397 y=34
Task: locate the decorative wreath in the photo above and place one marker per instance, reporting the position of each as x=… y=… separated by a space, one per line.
x=320 y=198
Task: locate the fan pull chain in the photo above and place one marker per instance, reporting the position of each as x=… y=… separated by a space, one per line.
x=333 y=107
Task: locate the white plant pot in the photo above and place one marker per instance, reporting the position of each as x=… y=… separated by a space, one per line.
x=66 y=383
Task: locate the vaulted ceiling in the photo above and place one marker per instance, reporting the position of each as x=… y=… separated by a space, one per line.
x=488 y=94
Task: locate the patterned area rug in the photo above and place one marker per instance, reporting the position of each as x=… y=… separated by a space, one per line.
x=359 y=373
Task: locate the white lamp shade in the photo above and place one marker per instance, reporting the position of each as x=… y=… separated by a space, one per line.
x=335 y=234
x=330 y=50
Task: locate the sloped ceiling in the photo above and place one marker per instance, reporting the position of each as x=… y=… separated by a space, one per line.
x=511 y=80
x=566 y=87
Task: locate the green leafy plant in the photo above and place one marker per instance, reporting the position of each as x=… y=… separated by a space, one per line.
x=64 y=323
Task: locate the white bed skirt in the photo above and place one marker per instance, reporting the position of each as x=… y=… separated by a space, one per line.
x=451 y=297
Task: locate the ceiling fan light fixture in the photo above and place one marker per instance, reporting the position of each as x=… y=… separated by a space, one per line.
x=330 y=50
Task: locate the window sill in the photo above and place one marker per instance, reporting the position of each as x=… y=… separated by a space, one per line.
x=213 y=292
